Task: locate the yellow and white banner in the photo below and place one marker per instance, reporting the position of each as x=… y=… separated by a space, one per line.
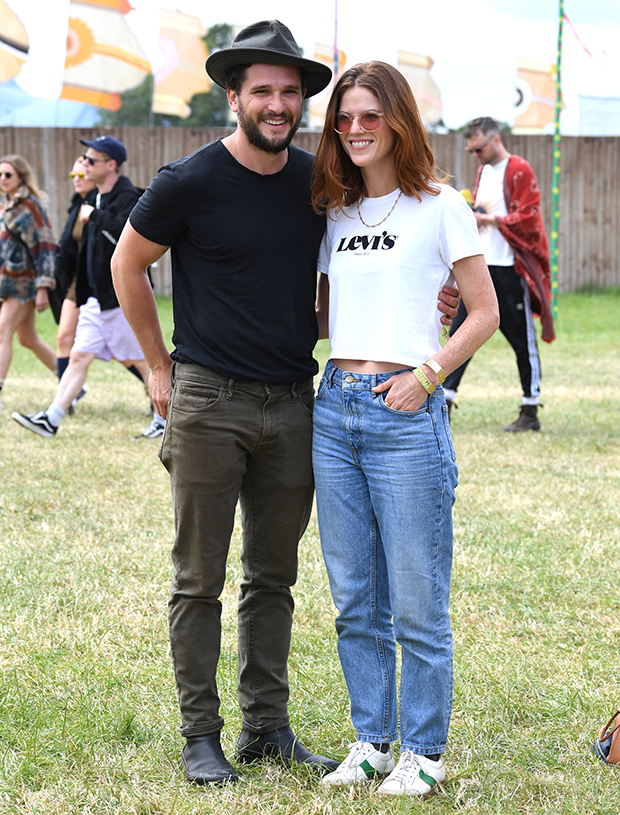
x=13 y=43
x=183 y=72
x=416 y=70
x=104 y=57
x=318 y=103
x=535 y=104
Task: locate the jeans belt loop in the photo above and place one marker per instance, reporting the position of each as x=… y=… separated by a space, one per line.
x=294 y=391
x=330 y=375
x=229 y=388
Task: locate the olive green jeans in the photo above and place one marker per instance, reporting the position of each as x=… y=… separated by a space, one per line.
x=226 y=442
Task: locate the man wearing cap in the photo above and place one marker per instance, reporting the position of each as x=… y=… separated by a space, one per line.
x=238 y=391
x=102 y=331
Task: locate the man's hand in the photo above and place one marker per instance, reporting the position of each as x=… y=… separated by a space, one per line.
x=85 y=211
x=484 y=219
x=449 y=299
x=160 y=389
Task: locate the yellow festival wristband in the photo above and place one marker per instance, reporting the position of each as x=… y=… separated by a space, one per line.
x=423 y=380
x=435 y=366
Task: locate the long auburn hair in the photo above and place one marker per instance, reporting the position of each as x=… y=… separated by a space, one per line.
x=337 y=182
x=25 y=173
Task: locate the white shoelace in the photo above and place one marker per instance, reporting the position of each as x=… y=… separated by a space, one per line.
x=406 y=763
x=356 y=748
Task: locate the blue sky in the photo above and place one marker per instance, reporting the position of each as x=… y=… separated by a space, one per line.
x=475 y=43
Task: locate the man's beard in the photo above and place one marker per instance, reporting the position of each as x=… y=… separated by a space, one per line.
x=250 y=126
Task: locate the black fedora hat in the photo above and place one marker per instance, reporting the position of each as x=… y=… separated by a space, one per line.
x=269 y=42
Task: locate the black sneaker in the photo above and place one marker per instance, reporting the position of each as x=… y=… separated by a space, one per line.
x=39 y=423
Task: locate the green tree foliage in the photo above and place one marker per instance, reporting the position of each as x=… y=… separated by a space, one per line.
x=208 y=109
x=135 y=110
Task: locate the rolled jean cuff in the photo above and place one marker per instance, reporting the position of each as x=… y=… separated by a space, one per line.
x=276 y=724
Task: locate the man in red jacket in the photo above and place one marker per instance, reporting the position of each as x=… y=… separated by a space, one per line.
x=507 y=209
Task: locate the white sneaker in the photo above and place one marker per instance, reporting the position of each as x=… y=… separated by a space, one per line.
x=155 y=428
x=363 y=763
x=414 y=775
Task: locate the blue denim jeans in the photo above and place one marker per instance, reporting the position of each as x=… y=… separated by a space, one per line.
x=385 y=482
x=226 y=442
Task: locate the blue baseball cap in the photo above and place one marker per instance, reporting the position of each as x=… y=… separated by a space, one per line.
x=108 y=144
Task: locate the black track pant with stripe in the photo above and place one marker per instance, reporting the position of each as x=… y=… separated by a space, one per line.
x=516 y=323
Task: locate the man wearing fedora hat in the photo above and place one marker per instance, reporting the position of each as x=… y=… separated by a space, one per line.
x=244 y=241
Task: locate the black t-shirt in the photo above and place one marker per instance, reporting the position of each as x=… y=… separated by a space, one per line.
x=244 y=262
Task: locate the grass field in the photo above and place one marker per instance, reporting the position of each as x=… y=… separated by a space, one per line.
x=88 y=717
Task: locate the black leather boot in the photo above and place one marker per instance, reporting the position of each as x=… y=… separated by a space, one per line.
x=281 y=744
x=527 y=420
x=204 y=761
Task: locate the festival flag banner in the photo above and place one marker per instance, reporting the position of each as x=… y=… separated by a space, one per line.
x=535 y=105
x=318 y=103
x=416 y=70
x=104 y=57
x=183 y=72
x=13 y=43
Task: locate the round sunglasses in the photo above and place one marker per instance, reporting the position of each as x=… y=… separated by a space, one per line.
x=368 y=120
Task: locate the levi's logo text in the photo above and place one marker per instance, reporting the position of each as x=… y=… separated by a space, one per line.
x=362 y=244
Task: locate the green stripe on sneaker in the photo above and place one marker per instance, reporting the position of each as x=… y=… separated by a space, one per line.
x=428 y=779
x=367 y=768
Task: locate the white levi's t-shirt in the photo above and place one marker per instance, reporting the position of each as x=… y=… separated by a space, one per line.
x=384 y=281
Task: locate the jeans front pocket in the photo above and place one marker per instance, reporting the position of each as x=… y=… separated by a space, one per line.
x=194 y=397
x=411 y=413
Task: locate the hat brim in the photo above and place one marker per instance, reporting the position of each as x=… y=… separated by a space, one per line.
x=218 y=65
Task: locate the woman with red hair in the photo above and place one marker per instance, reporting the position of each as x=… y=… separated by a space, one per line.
x=383 y=457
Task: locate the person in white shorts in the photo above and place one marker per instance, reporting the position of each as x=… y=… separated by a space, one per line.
x=102 y=330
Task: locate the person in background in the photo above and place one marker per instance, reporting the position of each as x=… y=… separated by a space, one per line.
x=85 y=192
x=384 y=463
x=507 y=211
x=27 y=262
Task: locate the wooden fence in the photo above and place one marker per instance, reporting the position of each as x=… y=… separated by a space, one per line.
x=589 y=198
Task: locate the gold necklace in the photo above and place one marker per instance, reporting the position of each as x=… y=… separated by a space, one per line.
x=372 y=226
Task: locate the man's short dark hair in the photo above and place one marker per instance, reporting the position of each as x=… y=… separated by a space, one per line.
x=235 y=78
x=483 y=124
